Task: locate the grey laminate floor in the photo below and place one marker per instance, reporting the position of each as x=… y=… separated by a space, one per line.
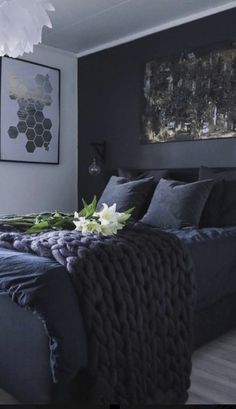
x=6 y=399
x=213 y=375
x=214 y=372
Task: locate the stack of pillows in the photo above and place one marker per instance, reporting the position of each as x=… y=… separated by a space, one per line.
x=165 y=203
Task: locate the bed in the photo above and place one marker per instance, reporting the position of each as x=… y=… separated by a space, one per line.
x=26 y=360
x=24 y=343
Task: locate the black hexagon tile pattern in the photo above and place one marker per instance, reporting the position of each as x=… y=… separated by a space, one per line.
x=32 y=121
x=30 y=133
x=22 y=127
x=13 y=132
x=30 y=146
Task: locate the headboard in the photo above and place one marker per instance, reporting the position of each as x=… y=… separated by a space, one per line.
x=183 y=174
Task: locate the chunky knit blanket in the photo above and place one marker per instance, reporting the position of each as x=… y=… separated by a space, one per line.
x=135 y=294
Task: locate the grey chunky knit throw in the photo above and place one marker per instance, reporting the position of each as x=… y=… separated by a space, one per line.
x=135 y=294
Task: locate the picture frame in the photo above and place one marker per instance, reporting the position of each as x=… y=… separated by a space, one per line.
x=190 y=96
x=30 y=112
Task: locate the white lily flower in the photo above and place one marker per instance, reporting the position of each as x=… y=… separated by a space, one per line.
x=76 y=215
x=87 y=226
x=123 y=217
x=110 y=229
x=93 y=227
x=108 y=214
x=107 y=221
x=80 y=223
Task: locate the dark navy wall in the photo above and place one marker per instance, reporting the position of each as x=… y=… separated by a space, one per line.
x=110 y=103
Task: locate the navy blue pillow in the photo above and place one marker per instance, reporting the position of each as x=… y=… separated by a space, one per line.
x=132 y=174
x=220 y=209
x=211 y=212
x=216 y=174
x=228 y=208
x=176 y=204
x=128 y=193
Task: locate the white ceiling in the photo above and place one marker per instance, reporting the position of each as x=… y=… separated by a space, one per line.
x=85 y=26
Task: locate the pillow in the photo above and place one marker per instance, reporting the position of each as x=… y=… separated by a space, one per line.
x=209 y=173
x=211 y=212
x=228 y=205
x=177 y=204
x=157 y=174
x=129 y=173
x=126 y=194
x=220 y=209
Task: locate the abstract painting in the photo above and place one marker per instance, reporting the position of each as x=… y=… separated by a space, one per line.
x=30 y=99
x=192 y=97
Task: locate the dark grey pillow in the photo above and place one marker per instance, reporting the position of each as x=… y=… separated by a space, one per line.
x=132 y=174
x=220 y=209
x=126 y=194
x=176 y=204
x=129 y=173
x=216 y=174
x=211 y=212
x=228 y=205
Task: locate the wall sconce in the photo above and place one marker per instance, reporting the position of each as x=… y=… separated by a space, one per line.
x=100 y=150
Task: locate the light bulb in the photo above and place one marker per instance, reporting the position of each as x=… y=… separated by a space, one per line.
x=94 y=169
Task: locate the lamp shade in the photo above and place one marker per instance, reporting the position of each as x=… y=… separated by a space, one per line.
x=21 y=24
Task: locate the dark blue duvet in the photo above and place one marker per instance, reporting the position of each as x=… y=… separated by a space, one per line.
x=213 y=252
x=44 y=286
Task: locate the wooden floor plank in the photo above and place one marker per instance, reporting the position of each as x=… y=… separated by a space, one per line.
x=6 y=399
x=213 y=379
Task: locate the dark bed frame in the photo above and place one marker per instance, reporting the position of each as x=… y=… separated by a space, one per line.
x=24 y=350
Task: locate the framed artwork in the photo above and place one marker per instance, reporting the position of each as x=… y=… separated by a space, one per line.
x=191 y=97
x=30 y=112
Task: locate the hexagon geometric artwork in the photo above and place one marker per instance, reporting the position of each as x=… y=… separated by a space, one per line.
x=39 y=105
x=39 y=129
x=30 y=108
x=47 y=136
x=30 y=134
x=12 y=132
x=38 y=141
x=39 y=117
x=22 y=114
x=22 y=103
x=40 y=80
x=30 y=146
x=30 y=121
x=22 y=127
x=36 y=105
x=48 y=100
x=47 y=124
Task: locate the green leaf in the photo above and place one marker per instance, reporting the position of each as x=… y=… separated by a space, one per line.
x=129 y=211
x=57 y=215
x=64 y=223
x=88 y=209
x=36 y=228
x=84 y=203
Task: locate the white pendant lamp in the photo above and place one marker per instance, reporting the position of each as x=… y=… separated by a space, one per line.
x=21 y=24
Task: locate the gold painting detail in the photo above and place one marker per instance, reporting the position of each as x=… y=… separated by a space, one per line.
x=192 y=97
